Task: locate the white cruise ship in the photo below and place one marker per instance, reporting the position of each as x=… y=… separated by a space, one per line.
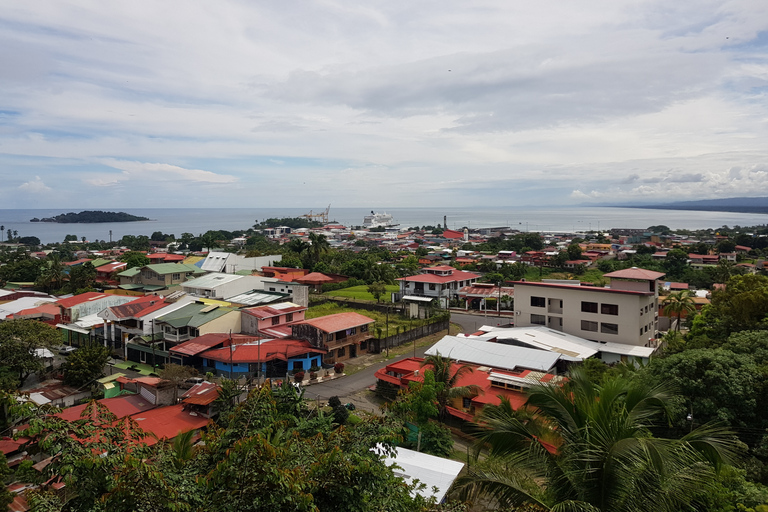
x=378 y=220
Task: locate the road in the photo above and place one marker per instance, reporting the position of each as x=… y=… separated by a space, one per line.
x=352 y=384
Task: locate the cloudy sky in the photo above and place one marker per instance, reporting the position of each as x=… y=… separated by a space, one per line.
x=381 y=104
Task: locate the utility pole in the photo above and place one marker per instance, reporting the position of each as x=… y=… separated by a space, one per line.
x=386 y=335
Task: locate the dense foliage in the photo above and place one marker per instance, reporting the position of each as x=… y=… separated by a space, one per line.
x=91 y=216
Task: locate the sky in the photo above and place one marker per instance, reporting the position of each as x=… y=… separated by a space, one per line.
x=381 y=104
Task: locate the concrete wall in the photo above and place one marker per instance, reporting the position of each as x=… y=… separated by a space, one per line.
x=568 y=318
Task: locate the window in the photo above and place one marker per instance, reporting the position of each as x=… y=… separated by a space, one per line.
x=329 y=337
x=609 y=328
x=363 y=345
x=466 y=402
x=588 y=307
x=538 y=302
x=289 y=317
x=330 y=353
x=641 y=311
x=538 y=319
x=271 y=289
x=609 y=309
x=176 y=277
x=364 y=328
x=586 y=325
x=341 y=351
x=431 y=286
x=275 y=320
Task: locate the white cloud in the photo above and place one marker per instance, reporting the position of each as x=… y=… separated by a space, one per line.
x=35 y=186
x=417 y=101
x=158 y=172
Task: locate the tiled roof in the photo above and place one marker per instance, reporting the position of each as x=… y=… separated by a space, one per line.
x=111 y=267
x=338 y=322
x=635 y=273
x=274 y=310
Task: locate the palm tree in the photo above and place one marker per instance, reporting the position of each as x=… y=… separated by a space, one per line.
x=590 y=448
x=679 y=303
x=446 y=380
x=318 y=245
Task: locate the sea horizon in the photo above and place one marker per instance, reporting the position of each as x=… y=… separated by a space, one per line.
x=177 y=220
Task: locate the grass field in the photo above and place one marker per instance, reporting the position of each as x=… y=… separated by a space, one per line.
x=382 y=320
x=361 y=293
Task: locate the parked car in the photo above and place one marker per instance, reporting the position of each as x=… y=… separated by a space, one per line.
x=65 y=351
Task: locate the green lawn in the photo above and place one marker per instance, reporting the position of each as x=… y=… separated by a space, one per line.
x=393 y=320
x=361 y=293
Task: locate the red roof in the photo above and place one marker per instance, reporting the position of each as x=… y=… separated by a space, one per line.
x=111 y=267
x=201 y=394
x=209 y=341
x=314 y=277
x=79 y=299
x=451 y=234
x=120 y=406
x=457 y=275
x=10 y=445
x=76 y=262
x=635 y=273
x=139 y=307
x=168 y=422
x=338 y=322
x=282 y=349
x=270 y=311
x=580 y=288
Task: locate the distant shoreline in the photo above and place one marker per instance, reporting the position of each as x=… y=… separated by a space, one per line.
x=728 y=209
x=91 y=217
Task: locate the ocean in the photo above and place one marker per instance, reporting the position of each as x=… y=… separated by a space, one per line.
x=199 y=220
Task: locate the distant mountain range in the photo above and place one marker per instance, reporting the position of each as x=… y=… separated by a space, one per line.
x=730 y=204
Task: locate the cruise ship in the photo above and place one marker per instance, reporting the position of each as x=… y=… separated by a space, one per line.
x=378 y=220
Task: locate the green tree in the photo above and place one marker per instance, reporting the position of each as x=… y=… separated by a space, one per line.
x=51 y=275
x=679 y=304
x=377 y=289
x=603 y=457
x=135 y=243
x=741 y=306
x=318 y=245
x=676 y=263
x=447 y=379
x=135 y=259
x=177 y=374
x=81 y=278
x=85 y=365
x=18 y=341
x=574 y=252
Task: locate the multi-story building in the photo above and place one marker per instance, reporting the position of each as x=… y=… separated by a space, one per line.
x=441 y=282
x=343 y=335
x=627 y=312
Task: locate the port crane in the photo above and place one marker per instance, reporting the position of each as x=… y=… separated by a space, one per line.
x=319 y=217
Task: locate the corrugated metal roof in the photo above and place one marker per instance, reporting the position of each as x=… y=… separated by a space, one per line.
x=256 y=297
x=496 y=355
x=212 y=280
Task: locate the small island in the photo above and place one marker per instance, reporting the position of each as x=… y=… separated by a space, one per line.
x=90 y=217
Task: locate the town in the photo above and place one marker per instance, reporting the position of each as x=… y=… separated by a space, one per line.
x=133 y=372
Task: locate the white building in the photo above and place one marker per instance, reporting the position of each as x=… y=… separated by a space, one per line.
x=230 y=263
x=441 y=282
x=627 y=312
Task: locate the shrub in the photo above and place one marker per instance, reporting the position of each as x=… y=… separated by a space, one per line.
x=338 y=367
x=298 y=376
x=334 y=402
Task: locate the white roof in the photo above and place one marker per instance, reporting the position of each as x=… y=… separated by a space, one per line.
x=211 y=280
x=13 y=307
x=427 y=469
x=215 y=261
x=479 y=350
x=573 y=347
x=417 y=298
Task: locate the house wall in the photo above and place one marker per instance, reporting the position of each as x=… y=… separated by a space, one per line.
x=569 y=318
x=225 y=323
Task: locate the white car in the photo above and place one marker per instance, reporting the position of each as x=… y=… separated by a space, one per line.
x=65 y=351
